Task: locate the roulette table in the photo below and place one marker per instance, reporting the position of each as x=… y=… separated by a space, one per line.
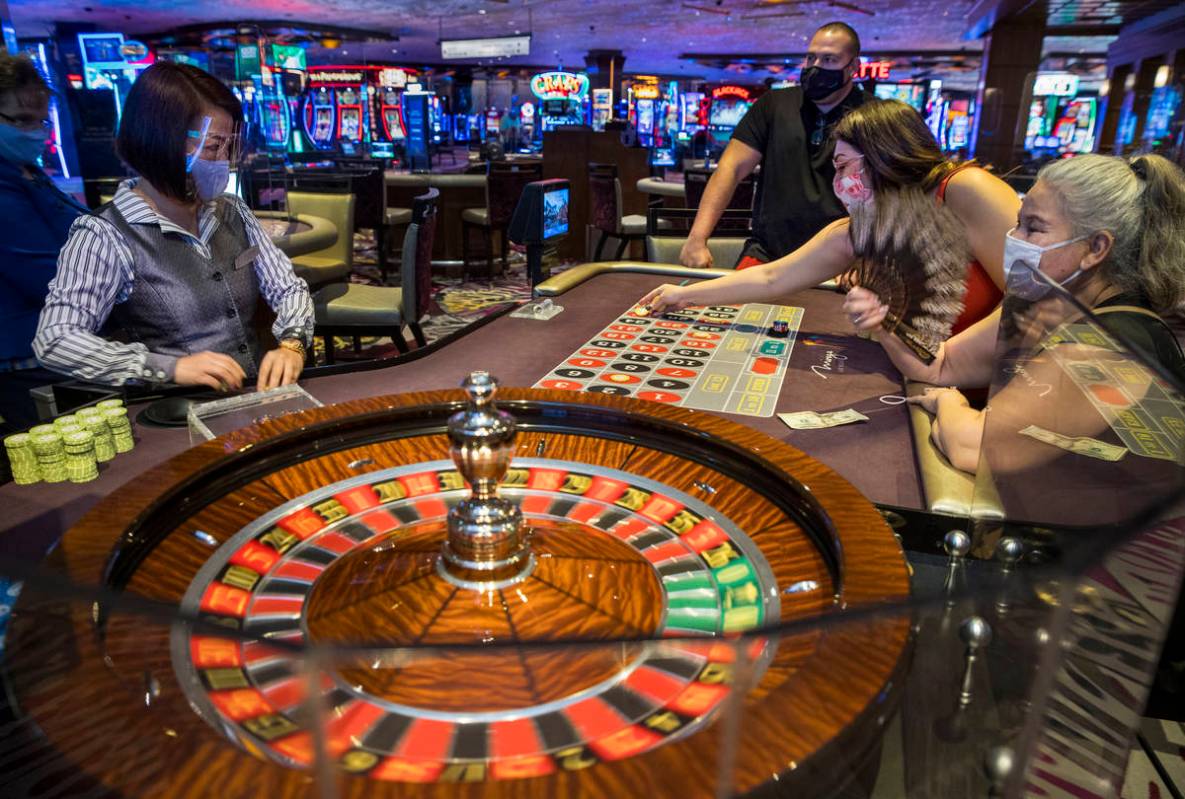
x=264 y=614
x=279 y=557
x=829 y=369
x=297 y=234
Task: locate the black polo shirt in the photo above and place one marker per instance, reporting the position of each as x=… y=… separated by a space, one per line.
x=794 y=196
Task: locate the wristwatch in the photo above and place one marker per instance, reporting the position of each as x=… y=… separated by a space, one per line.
x=294 y=344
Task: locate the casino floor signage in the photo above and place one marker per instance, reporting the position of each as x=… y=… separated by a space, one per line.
x=725 y=358
x=680 y=571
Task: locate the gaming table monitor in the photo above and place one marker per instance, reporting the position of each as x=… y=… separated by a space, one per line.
x=542 y=212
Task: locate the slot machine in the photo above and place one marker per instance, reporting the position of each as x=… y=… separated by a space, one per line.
x=391 y=115
x=350 y=116
x=527 y=121
x=437 y=120
x=729 y=105
x=320 y=117
x=273 y=113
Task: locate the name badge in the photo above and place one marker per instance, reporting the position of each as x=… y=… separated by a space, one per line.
x=246 y=257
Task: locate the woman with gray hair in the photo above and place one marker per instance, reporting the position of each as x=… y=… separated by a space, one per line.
x=1109 y=231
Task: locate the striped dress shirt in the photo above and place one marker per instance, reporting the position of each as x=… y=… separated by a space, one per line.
x=96 y=270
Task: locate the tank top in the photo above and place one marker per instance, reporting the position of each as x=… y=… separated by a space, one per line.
x=981 y=295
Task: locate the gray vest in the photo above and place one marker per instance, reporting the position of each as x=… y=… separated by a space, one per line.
x=182 y=303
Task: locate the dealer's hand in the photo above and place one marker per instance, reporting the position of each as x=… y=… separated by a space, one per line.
x=695 y=254
x=864 y=308
x=665 y=298
x=280 y=367
x=213 y=369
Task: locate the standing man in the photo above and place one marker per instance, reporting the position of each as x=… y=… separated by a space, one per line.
x=788 y=132
x=35 y=220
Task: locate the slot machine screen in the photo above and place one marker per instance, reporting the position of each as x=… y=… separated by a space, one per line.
x=645 y=116
x=324 y=124
x=912 y=94
x=664 y=156
x=351 y=119
x=726 y=112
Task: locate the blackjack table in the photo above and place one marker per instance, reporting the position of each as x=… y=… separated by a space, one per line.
x=266 y=614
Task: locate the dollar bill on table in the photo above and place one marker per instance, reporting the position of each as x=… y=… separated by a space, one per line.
x=813 y=420
x=1079 y=445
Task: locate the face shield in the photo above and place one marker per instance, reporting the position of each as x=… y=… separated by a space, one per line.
x=210 y=156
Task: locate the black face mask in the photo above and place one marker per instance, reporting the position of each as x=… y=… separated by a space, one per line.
x=818 y=82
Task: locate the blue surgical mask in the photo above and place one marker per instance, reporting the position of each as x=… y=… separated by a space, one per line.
x=210 y=178
x=21 y=146
x=1022 y=259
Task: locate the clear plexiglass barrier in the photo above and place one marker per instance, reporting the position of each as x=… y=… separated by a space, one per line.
x=340 y=661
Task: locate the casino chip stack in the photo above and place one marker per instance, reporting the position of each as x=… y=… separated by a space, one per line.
x=116 y=417
x=51 y=454
x=80 y=457
x=23 y=460
x=104 y=441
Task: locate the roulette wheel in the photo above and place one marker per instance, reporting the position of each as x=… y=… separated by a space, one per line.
x=430 y=595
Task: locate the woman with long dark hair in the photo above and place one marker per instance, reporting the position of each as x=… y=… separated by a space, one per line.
x=161 y=284
x=910 y=209
x=1111 y=232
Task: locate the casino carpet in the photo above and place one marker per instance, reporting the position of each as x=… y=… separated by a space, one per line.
x=456 y=303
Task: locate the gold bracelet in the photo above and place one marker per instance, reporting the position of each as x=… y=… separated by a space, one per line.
x=296 y=345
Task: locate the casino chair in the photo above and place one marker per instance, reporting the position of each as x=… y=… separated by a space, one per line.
x=605 y=210
x=666 y=235
x=695 y=180
x=332 y=264
x=369 y=185
x=504 y=186
x=356 y=309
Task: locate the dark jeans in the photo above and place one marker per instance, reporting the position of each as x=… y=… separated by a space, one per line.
x=17 y=411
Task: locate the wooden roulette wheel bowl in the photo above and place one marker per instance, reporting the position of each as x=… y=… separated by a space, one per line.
x=690 y=529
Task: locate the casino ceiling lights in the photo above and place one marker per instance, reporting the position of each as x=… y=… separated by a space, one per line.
x=913 y=64
x=770 y=9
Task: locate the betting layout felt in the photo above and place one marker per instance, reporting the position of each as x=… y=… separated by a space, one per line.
x=718 y=358
x=1143 y=410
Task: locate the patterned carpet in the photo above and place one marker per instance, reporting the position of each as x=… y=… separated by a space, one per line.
x=455 y=303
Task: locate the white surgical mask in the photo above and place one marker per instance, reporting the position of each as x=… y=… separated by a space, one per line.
x=1022 y=259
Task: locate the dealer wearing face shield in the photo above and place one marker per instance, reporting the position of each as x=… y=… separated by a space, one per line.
x=35 y=220
x=788 y=132
x=161 y=284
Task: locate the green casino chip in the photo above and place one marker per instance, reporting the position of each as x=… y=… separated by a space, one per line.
x=22 y=459
x=80 y=457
